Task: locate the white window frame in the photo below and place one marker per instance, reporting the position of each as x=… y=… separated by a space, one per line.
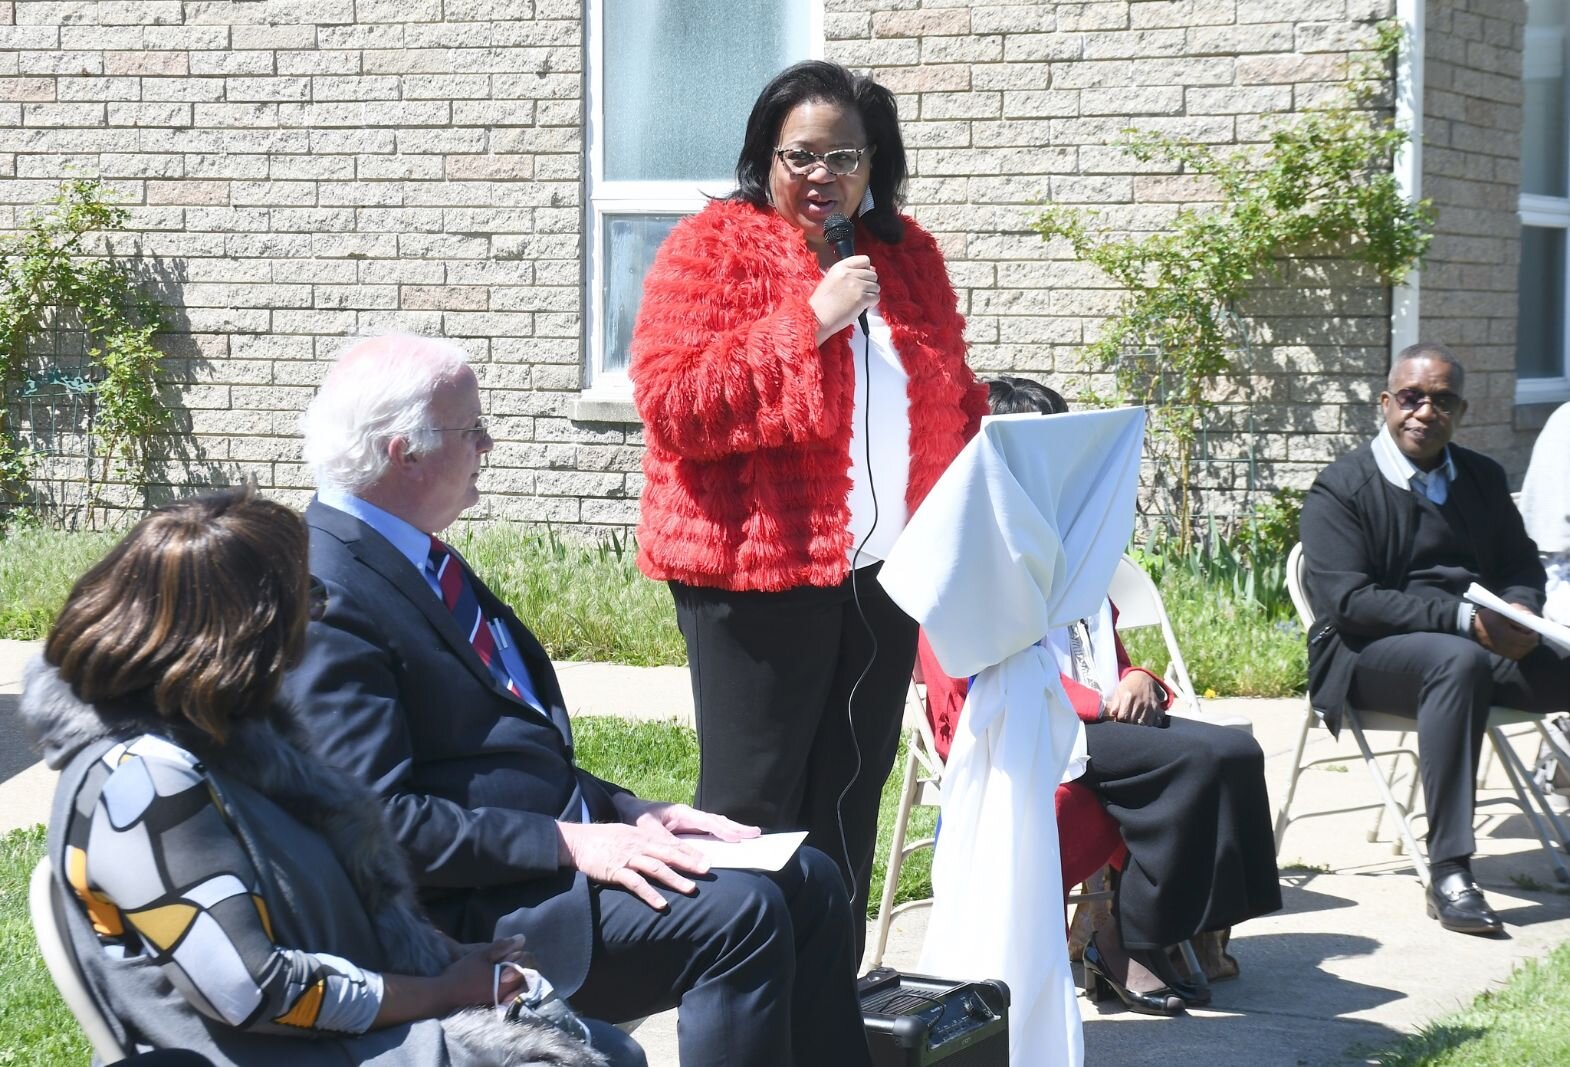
x=604 y=198
x=1548 y=213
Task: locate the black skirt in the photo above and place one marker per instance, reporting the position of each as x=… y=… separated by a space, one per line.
x=1191 y=803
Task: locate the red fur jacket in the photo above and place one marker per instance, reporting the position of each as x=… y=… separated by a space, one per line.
x=747 y=421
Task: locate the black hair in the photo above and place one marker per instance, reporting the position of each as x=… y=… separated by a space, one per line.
x=1007 y=395
x=820 y=81
x=1428 y=350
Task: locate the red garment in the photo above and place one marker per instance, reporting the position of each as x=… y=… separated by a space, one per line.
x=747 y=421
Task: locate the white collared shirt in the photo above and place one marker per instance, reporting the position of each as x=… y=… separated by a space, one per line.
x=1402 y=473
x=1435 y=485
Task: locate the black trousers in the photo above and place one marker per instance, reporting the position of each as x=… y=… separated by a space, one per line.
x=1190 y=801
x=1447 y=682
x=760 y=965
x=782 y=742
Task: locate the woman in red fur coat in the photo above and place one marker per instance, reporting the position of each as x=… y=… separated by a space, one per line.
x=797 y=408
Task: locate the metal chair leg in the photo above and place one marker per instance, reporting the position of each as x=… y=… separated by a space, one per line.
x=1282 y=819
x=907 y=802
x=1520 y=781
x=1396 y=846
x=1397 y=813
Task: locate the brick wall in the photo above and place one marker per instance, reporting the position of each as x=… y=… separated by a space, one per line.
x=1007 y=105
x=1472 y=172
x=304 y=170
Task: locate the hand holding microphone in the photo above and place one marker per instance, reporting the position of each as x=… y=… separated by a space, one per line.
x=848 y=288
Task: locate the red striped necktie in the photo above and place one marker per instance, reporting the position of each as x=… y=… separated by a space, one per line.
x=458 y=595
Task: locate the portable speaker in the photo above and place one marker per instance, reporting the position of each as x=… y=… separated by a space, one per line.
x=915 y=1019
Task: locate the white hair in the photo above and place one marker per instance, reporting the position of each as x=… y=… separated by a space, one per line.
x=378 y=390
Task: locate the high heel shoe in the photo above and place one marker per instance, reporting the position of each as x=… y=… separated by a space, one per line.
x=1100 y=986
x=1194 y=992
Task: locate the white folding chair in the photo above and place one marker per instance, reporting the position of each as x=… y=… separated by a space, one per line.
x=922 y=781
x=1139 y=605
x=46 y=909
x=1359 y=722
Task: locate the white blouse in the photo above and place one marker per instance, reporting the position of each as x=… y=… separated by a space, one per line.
x=879 y=443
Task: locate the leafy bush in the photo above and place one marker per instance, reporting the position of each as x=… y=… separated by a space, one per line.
x=44 y=275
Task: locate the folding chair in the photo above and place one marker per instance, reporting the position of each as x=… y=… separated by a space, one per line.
x=922 y=782
x=1139 y=605
x=1359 y=722
x=46 y=908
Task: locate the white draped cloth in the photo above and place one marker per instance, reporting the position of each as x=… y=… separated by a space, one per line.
x=1019 y=537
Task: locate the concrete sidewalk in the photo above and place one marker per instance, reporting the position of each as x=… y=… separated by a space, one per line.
x=1347 y=967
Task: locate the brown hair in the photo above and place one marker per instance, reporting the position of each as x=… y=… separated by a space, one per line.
x=201 y=607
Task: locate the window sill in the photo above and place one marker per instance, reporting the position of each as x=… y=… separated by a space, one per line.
x=1541 y=391
x=603 y=408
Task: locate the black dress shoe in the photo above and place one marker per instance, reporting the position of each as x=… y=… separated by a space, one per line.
x=1458 y=904
x=1099 y=985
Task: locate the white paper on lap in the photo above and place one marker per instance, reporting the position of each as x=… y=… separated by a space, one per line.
x=1021 y=535
x=1545 y=628
x=766 y=852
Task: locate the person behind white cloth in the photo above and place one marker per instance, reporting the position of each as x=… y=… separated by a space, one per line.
x=1020 y=536
x=1545 y=505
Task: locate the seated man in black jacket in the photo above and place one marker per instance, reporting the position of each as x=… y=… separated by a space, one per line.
x=421 y=682
x=1393 y=534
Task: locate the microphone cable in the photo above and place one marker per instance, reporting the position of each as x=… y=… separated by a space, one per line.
x=855 y=594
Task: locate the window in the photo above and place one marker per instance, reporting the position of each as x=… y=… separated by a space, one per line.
x=1543 y=330
x=670 y=85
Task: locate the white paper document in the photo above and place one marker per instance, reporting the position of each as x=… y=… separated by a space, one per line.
x=767 y=852
x=1551 y=631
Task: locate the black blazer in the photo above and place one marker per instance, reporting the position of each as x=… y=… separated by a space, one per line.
x=472 y=779
x=1358 y=532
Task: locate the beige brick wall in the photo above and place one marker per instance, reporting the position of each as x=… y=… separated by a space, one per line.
x=1472 y=172
x=304 y=170
x=1010 y=104
x=300 y=171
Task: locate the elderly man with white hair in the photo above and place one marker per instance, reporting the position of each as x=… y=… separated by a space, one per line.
x=425 y=685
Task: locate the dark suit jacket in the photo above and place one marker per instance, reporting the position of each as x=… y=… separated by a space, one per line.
x=1358 y=532
x=472 y=779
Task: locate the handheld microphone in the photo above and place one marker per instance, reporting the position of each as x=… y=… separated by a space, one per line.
x=841 y=235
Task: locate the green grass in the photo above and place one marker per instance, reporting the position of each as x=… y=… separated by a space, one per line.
x=36 y=1028
x=37 y=569
x=582 y=602
x=592 y=603
x=1232 y=646
x=1520 y=1025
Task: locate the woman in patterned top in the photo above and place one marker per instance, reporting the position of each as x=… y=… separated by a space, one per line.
x=236 y=895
